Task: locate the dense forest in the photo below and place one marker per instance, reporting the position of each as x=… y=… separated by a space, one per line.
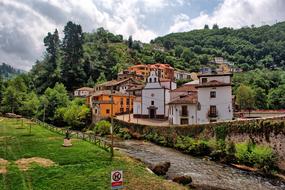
x=7 y=71
x=84 y=59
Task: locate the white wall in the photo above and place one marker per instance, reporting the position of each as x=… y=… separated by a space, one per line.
x=225 y=79
x=175 y=111
x=137 y=107
x=223 y=102
x=156 y=95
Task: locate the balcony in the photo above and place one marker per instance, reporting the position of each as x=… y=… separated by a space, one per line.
x=183 y=113
x=212 y=114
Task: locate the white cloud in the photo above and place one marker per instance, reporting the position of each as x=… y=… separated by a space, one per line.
x=234 y=13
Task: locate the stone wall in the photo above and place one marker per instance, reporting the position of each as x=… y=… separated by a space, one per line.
x=269 y=132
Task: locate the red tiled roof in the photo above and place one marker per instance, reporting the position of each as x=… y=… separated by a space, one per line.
x=108 y=92
x=213 y=83
x=189 y=99
x=185 y=88
x=214 y=74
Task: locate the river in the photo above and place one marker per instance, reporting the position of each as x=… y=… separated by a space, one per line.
x=205 y=174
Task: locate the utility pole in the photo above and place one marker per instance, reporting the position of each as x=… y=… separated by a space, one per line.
x=129 y=107
x=112 y=123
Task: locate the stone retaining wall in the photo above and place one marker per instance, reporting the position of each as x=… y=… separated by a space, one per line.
x=269 y=132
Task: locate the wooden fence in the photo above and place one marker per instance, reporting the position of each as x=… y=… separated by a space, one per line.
x=92 y=138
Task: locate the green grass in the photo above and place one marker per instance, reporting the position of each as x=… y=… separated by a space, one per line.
x=82 y=166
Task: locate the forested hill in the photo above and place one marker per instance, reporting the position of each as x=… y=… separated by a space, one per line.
x=80 y=58
x=7 y=71
x=248 y=47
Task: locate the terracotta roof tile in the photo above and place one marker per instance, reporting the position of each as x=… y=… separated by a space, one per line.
x=213 y=83
x=86 y=89
x=189 y=99
x=185 y=88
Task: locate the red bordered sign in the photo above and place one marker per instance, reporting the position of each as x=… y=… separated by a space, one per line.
x=117 y=179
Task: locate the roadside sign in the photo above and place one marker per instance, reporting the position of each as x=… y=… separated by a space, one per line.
x=117 y=179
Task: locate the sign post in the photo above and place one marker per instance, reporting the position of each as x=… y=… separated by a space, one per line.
x=117 y=179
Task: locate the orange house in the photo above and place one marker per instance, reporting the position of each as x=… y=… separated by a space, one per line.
x=101 y=104
x=165 y=71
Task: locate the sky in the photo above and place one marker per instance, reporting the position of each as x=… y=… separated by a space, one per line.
x=24 y=23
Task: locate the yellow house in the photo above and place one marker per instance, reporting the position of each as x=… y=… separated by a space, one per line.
x=101 y=104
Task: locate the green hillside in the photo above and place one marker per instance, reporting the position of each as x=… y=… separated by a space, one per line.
x=248 y=47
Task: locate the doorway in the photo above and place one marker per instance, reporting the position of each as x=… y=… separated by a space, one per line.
x=152 y=113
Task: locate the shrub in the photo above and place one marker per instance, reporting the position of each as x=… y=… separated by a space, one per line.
x=102 y=127
x=191 y=146
x=258 y=156
x=124 y=133
x=262 y=157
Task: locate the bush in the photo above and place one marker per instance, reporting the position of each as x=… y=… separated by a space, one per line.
x=258 y=156
x=191 y=146
x=102 y=127
x=124 y=133
x=262 y=157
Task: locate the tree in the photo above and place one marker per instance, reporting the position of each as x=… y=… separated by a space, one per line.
x=206 y=27
x=130 y=42
x=276 y=98
x=72 y=67
x=52 y=70
x=30 y=105
x=76 y=114
x=54 y=98
x=215 y=26
x=245 y=97
x=1 y=87
x=90 y=82
x=14 y=95
x=101 y=78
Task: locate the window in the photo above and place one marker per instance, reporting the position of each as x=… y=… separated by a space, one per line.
x=213 y=94
x=107 y=111
x=184 y=111
x=184 y=121
x=127 y=110
x=204 y=80
x=150 y=80
x=122 y=110
x=122 y=102
x=128 y=101
x=213 y=111
x=154 y=79
x=152 y=102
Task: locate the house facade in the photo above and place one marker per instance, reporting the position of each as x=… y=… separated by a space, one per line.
x=83 y=92
x=155 y=97
x=208 y=101
x=100 y=102
x=214 y=98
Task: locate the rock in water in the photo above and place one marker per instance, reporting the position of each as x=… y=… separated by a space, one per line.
x=160 y=168
x=184 y=179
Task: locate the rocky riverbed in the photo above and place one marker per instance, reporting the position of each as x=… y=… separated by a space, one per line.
x=205 y=174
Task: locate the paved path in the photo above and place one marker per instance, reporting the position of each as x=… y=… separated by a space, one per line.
x=153 y=122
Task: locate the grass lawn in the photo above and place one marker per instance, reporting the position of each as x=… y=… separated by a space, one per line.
x=82 y=166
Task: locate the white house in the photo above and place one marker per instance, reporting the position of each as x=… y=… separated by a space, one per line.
x=155 y=98
x=214 y=98
x=210 y=102
x=83 y=92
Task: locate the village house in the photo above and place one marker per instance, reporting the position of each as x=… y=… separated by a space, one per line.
x=164 y=71
x=100 y=102
x=83 y=92
x=117 y=85
x=184 y=75
x=214 y=97
x=129 y=74
x=209 y=100
x=155 y=97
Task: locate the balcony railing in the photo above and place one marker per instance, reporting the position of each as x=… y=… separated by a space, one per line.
x=183 y=113
x=212 y=114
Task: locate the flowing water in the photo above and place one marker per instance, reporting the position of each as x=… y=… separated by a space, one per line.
x=205 y=174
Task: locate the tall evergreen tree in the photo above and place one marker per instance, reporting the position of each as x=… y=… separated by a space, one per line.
x=73 y=74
